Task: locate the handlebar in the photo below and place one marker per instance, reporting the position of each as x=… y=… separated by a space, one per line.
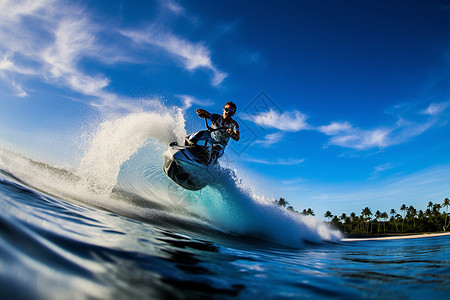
x=213 y=129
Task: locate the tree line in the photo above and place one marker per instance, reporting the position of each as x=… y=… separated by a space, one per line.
x=406 y=220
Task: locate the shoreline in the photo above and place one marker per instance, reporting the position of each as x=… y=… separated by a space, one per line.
x=392 y=237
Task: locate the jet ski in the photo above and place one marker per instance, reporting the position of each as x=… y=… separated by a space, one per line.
x=189 y=165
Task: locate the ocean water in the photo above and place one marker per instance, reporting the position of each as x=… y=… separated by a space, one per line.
x=115 y=227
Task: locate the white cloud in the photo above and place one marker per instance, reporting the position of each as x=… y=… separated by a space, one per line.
x=7 y=65
x=376 y=137
x=435 y=108
x=279 y=162
x=293 y=181
x=359 y=139
x=13 y=10
x=335 y=128
x=73 y=40
x=52 y=52
x=47 y=39
x=270 y=139
x=382 y=168
x=174 y=7
x=193 y=55
x=189 y=100
x=343 y=134
x=20 y=92
x=287 y=121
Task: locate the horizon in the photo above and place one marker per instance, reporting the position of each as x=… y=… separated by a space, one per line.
x=341 y=106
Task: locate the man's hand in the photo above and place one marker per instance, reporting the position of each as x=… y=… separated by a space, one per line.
x=203 y=113
x=233 y=134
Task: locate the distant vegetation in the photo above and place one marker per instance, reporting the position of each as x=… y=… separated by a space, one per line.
x=283 y=203
x=405 y=220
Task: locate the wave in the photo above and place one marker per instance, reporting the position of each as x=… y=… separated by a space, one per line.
x=121 y=170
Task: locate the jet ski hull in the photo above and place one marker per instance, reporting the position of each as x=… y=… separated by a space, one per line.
x=185 y=169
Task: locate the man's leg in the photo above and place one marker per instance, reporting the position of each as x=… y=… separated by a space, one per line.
x=193 y=138
x=217 y=152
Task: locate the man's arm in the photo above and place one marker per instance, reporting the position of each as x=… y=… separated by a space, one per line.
x=203 y=113
x=234 y=134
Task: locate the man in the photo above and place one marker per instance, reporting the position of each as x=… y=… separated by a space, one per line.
x=230 y=128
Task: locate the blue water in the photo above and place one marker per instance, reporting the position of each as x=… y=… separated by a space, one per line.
x=52 y=248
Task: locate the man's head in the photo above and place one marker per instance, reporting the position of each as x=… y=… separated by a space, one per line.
x=229 y=110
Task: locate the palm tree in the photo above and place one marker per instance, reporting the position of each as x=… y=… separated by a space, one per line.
x=412 y=212
x=420 y=214
x=385 y=216
x=421 y=217
x=335 y=221
x=403 y=209
x=436 y=209
x=359 y=222
x=308 y=212
x=393 y=213
x=282 y=202
x=353 y=219
x=343 y=217
x=398 y=217
x=366 y=213
x=378 y=216
x=446 y=204
x=348 y=223
x=362 y=219
x=328 y=215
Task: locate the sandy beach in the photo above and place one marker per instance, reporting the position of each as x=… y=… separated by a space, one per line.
x=397 y=237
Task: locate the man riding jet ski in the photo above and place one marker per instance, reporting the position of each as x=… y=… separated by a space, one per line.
x=188 y=164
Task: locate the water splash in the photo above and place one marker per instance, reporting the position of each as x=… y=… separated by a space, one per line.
x=116 y=141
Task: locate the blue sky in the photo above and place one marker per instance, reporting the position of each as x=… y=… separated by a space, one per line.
x=342 y=104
